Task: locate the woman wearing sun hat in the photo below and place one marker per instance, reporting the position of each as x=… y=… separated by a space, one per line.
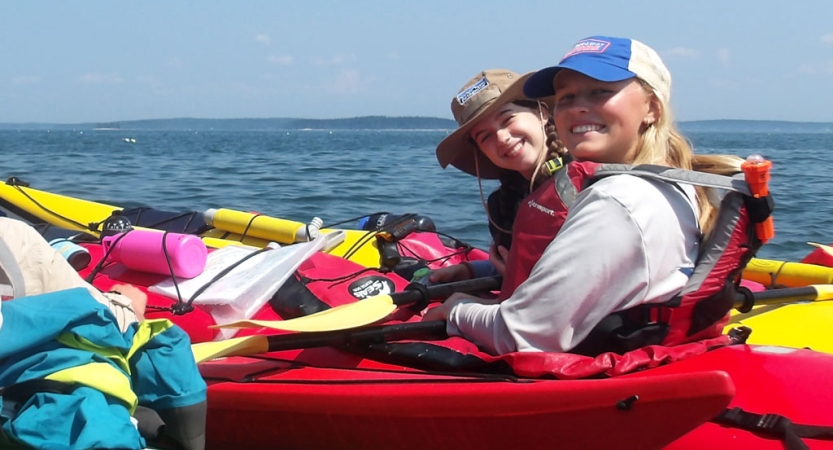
x=627 y=240
x=502 y=135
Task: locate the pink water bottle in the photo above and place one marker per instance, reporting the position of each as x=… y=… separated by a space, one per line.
x=142 y=250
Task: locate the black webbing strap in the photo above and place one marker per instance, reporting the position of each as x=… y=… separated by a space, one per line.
x=774 y=425
x=16 y=395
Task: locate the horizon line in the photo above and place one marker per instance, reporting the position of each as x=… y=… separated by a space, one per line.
x=108 y=122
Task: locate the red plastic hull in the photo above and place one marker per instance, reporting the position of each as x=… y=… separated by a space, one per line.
x=308 y=407
x=769 y=380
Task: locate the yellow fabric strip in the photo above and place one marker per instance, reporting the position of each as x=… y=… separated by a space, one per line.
x=102 y=377
x=72 y=340
x=148 y=329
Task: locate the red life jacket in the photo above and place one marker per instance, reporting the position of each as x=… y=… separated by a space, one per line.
x=542 y=214
x=701 y=310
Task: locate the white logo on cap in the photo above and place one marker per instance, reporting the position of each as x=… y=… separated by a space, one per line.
x=588 y=46
x=472 y=90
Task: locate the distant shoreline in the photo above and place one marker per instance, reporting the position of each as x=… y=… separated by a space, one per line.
x=379 y=123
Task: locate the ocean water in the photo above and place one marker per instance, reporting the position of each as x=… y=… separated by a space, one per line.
x=342 y=175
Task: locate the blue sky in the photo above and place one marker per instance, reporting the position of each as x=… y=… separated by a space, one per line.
x=88 y=61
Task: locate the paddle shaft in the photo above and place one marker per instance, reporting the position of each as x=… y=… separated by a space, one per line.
x=784 y=295
x=413 y=294
x=360 y=336
x=435 y=329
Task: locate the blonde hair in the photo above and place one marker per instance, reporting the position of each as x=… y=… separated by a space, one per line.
x=662 y=143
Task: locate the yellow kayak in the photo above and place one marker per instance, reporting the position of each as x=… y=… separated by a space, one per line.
x=798 y=325
x=227 y=226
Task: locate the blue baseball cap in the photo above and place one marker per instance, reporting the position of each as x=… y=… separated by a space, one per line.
x=607 y=59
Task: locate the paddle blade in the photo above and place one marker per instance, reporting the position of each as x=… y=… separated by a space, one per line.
x=248 y=345
x=342 y=317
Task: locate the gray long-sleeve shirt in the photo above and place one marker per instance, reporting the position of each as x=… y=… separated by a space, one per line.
x=626 y=241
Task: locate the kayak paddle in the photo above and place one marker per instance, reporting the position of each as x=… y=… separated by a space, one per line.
x=369 y=310
x=256 y=344
x=251 y=345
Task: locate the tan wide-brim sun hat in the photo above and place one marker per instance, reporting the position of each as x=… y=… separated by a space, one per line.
x=481 y=96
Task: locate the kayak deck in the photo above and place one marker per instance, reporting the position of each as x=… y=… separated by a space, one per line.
x=264 y=403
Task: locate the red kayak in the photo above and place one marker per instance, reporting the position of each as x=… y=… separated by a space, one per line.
x=324 y=397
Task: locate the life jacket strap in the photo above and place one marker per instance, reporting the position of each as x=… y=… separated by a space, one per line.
x=759 y=209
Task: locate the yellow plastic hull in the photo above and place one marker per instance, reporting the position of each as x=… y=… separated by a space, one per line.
x=56 y=209
x=799 y=325
x=786 y=274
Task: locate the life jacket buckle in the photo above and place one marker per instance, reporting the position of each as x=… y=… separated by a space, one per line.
x=553 y=165
x=740 y=334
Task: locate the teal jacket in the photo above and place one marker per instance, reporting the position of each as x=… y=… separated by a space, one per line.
x=71 y=340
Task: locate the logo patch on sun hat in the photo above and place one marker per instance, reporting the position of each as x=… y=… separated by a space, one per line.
x=588 y=46
x=472 y=90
